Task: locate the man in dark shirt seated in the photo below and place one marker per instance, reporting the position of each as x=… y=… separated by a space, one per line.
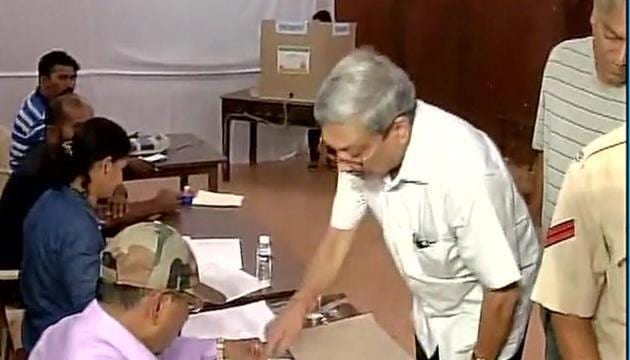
x=39 y=172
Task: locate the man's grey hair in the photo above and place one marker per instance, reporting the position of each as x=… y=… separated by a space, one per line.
x=366 y=87
x=123 y=296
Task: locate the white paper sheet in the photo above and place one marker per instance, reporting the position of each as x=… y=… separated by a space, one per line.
x=224 y=252
x=230 y=282
x=294 y=59
x=154 y=158
x=209 y=198
x=243 y=322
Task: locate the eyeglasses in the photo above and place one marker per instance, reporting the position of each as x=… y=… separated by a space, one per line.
x=194 y=303
x=356 y=164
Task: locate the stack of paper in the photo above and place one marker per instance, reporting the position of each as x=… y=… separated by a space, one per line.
x=243 y=322
x=231 y=283
x=224 y=252
x=212 y=199
x=219 y=262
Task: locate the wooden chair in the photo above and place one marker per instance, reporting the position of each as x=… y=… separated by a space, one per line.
x=8 y=350
x=6 y=346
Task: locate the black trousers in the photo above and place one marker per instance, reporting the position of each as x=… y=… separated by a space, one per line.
x=10 y=293
x=421 y=355
x=313 y=144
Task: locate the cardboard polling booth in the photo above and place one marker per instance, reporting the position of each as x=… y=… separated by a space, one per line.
x=296 y=57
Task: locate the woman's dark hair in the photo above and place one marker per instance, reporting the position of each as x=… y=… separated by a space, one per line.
x=94 y=140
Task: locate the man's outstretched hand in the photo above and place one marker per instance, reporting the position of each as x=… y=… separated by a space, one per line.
x=282 y=331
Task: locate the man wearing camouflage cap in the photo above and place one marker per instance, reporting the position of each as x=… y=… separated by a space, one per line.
x=148 y=285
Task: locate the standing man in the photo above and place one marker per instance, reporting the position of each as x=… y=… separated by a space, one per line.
x=452 y=218
x=57 y=75
x=314 y=136
x=582 y=280
x=583 y=96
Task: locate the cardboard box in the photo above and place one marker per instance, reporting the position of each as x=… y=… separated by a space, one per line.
x=357 y=338
x=296 y=57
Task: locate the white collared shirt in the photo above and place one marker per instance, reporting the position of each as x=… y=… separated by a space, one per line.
x=455 y=224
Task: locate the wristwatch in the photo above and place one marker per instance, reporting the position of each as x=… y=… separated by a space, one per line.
x=221 y=349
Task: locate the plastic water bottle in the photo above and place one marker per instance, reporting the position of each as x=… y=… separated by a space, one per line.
x=264 y=260
x=187 y=196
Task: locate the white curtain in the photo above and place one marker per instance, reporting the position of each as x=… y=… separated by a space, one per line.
x=152 y=65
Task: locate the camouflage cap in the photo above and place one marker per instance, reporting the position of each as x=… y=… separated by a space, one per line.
x=151 y=256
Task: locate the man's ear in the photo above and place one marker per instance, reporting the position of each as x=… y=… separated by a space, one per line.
x=402 y=128
x=155 y=305
x=593 y=17
x=107 y=165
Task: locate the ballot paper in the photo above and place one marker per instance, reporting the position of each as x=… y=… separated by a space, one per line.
x=232 y=283
x=154 y=158
x=356 y=338
x=212 y=199
x=238 y=323
x=224 y=252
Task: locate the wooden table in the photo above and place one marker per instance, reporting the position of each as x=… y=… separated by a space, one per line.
x=187 y=155
x=238 y=223
x=243 y=106
x=214 y=222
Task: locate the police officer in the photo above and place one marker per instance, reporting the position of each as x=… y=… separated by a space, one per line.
x=582 y=279
x=452 y=218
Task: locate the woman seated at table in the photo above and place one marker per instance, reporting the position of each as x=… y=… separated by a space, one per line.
x=62 y=237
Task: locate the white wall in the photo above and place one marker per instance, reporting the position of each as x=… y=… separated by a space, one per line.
x=149 y=64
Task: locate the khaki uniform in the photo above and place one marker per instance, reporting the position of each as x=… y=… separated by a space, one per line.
x=583 y=271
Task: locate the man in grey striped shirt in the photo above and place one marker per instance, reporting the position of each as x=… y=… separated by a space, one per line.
x=583 y=96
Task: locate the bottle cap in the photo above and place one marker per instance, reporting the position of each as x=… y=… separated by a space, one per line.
x=187 y=189
x=264 y=239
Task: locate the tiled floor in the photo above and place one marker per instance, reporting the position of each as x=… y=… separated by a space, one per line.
x=294 y=204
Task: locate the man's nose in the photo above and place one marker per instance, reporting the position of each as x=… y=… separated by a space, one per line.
x=623 y=54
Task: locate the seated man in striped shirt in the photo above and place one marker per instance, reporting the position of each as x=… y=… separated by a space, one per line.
x=583 y=96
x=57 y=74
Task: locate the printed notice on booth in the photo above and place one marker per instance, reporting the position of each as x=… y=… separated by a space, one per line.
x=294 y=59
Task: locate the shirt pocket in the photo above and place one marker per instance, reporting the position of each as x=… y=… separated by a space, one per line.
x=438 y=259
x=434 y=244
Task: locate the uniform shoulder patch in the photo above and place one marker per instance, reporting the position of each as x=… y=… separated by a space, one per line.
x=560 y=232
